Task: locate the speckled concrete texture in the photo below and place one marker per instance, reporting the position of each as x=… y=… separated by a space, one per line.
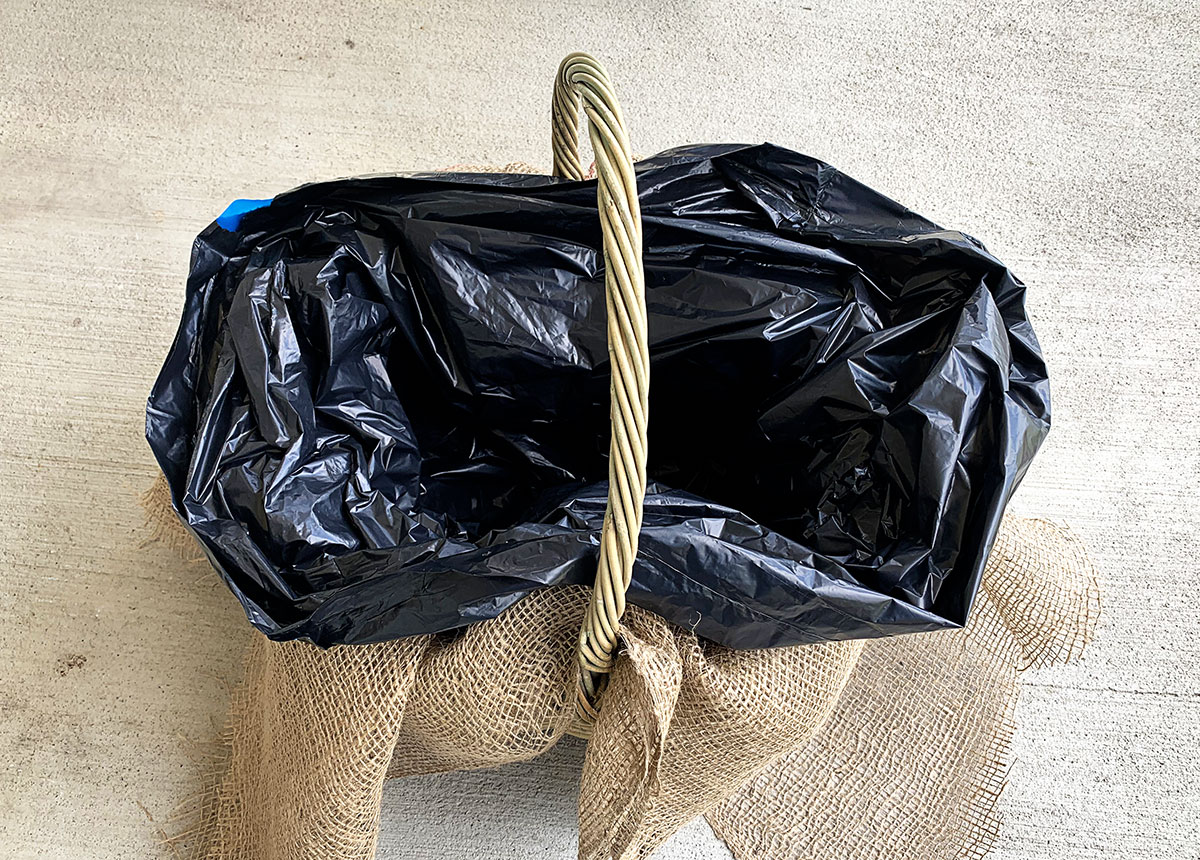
x=1062 y=134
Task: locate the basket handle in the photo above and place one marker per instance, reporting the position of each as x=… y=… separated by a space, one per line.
x=582 y=82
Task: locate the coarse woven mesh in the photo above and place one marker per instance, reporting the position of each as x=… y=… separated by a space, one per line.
x=913 y=759
x=891 y=749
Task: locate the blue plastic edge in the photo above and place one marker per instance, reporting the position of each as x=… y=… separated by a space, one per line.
x=232 y=216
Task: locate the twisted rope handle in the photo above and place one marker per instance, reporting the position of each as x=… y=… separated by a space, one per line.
x=582 y=82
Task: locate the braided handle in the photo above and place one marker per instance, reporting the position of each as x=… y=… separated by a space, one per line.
x=582 y=82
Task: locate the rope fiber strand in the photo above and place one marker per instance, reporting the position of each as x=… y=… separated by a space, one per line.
x=583 y=84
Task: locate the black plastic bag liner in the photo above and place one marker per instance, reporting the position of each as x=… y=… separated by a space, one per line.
x=386 y=409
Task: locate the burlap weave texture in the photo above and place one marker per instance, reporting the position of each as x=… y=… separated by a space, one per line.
x=801 y=752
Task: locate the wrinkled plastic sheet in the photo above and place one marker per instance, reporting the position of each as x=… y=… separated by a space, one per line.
x=386 y=409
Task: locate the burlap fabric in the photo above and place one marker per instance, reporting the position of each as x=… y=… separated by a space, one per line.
x=912 y=761
x=793 y=753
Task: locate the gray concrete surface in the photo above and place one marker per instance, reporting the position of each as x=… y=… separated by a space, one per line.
x=1063 y=134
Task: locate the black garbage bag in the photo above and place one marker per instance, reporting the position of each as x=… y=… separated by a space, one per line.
x=386 y=409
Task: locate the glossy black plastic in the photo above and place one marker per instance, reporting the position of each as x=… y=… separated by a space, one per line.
x=386 y=409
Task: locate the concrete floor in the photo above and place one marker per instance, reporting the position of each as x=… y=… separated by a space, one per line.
x=1063 y=134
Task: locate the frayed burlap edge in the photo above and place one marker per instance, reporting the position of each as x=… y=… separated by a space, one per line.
x=163 y=527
